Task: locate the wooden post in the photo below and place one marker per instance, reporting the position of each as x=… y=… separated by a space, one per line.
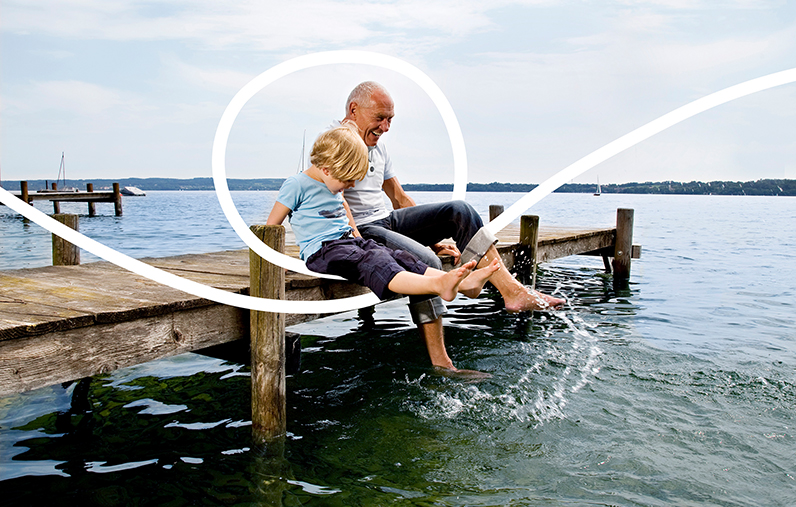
x=56 y=204
x=494 y=211
x=529 y=237
x=117 y=199
x=64 y=252
x=92 y=209
x=624 y=244
x=268 y=341
x=23 y=191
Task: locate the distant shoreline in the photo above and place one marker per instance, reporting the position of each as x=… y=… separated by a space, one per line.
x=759 y=187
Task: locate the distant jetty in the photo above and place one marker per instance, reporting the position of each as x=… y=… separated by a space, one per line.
x=758 y=187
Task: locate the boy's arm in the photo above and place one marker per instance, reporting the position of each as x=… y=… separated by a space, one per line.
x=278 y=214
x=351 y=219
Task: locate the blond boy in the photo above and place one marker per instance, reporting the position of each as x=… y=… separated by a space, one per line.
x=329 y=241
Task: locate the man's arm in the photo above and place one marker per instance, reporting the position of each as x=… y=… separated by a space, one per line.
x=395 y=192
x=392 y=187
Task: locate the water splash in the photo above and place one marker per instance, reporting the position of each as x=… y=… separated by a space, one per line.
x=564 y=361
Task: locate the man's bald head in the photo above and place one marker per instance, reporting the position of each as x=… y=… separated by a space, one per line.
x=371 y=109
x=362 y=94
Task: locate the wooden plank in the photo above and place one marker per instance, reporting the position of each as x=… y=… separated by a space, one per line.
x=70 y=196
x=556 y=248
x=46 y=359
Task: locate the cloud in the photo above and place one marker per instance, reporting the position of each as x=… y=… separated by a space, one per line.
x=251 y=24
x=76 y=97
x=533 y=88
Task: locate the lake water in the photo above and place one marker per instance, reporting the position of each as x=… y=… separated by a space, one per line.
x=680 y=390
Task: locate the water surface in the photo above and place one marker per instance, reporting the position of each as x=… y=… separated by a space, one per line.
x=679 y=390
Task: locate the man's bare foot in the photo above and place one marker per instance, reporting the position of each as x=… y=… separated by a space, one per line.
x=523 y=299
x=461 y=374
x=449 y=282
x=474 y=283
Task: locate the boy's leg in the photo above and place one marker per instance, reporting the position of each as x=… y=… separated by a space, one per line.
x=445 y=285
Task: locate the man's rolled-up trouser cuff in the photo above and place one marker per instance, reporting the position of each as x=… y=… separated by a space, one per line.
x=427 y=310
x=478 y=245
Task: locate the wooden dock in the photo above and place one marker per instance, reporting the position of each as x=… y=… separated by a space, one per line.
x=89 y=196
x=60 y=323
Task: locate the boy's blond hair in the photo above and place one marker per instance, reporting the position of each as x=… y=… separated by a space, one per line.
x=343 y=152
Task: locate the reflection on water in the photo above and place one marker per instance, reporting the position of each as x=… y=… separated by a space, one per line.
x=579 y=409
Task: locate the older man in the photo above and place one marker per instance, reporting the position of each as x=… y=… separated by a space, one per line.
x=415 y=228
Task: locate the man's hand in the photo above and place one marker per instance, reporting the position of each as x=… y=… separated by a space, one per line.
x=442 y=249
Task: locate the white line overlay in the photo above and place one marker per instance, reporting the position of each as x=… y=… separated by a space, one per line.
x=304 y=62
x=635 y=137
x=335 y=57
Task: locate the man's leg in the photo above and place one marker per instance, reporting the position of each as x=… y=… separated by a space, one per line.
x=433 y=337
x=426 y=311
x=430 y=223
x=516 y=296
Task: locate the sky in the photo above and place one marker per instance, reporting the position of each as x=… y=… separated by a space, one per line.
x=134 y=88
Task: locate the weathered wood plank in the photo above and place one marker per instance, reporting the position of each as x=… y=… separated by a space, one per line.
x=101 y=196
x=37 y=361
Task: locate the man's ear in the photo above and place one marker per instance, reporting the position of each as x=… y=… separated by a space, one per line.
x=353 y=108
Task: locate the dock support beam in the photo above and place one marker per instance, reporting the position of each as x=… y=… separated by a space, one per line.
x=92 y=209
x=268 y=342
x=529 y=239
x=495 y=210
x=117 y=199
x=23 y=191
x=624 y=244
x=64 y=252
x=56 y=204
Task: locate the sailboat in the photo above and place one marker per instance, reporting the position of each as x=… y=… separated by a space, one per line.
x=63 y=168
x=599 y=189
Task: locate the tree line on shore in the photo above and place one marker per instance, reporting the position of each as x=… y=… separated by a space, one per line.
x=759 y=187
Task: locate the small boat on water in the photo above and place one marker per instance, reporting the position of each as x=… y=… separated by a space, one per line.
x=61 y=170
x=599 y=189
x=132 y=191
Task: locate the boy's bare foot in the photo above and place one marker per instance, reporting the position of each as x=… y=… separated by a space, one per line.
x=523 y=299
x=449 y=282
x=474 y=283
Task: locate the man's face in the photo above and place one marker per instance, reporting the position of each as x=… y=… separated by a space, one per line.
x=375 y=120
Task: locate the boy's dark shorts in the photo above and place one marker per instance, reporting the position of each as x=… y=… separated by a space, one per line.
x=365 y=262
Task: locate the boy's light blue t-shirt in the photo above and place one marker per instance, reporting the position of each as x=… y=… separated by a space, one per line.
x=317 y=215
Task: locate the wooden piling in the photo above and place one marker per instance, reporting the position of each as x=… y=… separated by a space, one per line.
x=56 y=204
x=495 y=210
x=529 y=238
x=117 y=199
x=92 y=209
x=624 y=243
x=23 y=191
x=64 y=252
x=268 y=341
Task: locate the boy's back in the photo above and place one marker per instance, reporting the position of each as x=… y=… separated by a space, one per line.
x=317 y=214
